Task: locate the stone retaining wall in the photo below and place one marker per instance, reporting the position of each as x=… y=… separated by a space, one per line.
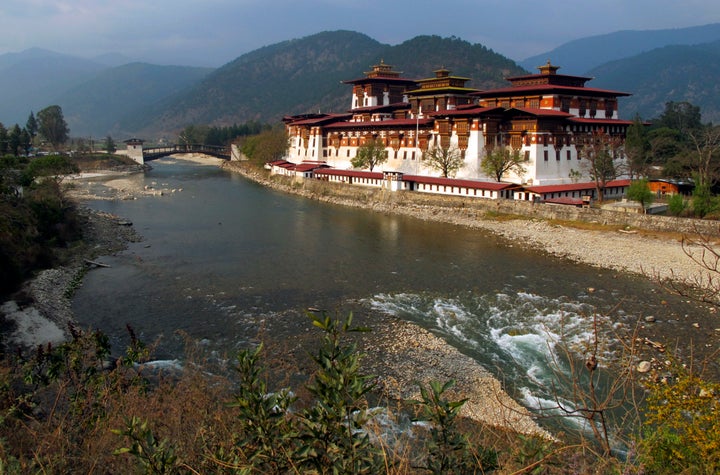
x=376 y=198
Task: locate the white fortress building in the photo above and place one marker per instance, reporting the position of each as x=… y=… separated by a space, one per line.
x=545 y=117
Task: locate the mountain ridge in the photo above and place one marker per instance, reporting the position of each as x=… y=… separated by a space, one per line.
x=306 y=74
x=574 y=58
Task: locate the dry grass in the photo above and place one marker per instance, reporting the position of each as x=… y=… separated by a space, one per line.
x=70 y=425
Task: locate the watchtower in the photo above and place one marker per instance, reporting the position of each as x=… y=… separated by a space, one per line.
x=135 y=150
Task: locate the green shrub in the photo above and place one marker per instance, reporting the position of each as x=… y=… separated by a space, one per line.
x=448 y=450
x=676 y=204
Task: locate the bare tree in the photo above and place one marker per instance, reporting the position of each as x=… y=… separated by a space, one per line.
x=370 y=154
x=705 y=160
x=447 y=160
x=600 y=151
x=500 y=160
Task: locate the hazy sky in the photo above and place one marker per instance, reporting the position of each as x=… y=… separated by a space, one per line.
x=213 y=32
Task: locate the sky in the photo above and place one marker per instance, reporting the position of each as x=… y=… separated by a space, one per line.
x=214 y=32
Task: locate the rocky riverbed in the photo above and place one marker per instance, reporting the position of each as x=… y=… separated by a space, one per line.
x=670 y=259
x=402 y=353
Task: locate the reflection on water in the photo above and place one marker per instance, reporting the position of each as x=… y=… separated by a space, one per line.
x=225 y=252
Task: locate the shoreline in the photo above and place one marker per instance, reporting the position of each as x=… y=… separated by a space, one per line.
x=401 y=353
x=658 y=257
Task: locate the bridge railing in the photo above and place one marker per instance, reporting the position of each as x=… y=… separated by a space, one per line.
x=214 y=150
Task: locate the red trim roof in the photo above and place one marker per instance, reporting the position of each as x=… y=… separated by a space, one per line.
x=480 y=185
x=541 y=112
x=543 y=76
x=545 y=88
x=390 y=123
x=583 y=120
x=540 y=189
x=304 y=167
x=321 y=120
x=350 y=173
x=465 y=110
x=381 y=79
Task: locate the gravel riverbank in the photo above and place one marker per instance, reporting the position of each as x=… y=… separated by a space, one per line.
x=400 y=352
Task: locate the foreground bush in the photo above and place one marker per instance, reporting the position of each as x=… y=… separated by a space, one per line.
x=36 y=218
x=76 y=408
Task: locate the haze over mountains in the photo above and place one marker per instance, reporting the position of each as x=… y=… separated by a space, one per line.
x=111 y=95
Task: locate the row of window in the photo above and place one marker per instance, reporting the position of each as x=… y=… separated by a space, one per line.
x=451 y=189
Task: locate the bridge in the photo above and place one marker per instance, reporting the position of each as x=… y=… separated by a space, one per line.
x=217 y=151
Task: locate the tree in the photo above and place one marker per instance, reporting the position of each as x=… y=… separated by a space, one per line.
x=702 y=200
x=500 y=160
x=676 y=204
x=3 y=140
x=682 y=116
x=704 y=160
x=52 y=126
x=14 y=139
x=110 y=146
x=370 y=154
x=25 y=142
x=599 y=152
x=637 y=147
x=447 y=160
x=640 y=191
x=267 y=146
x=32 y=126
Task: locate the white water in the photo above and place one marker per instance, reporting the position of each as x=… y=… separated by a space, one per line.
x=527 y=339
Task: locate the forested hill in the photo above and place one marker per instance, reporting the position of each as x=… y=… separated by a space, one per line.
x=672 y=73
x=95 y=106
x=305 y=75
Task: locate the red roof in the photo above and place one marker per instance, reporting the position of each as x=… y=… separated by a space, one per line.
x=583 y=120
x=397 y=105
x=366 y=79
x=304 y=167
x=545 y=88
x=540 y=189
x=469 y=109
x=375 y=124
x=550 y=77
x=320 y=120
x=480 y=185
x=350 y=173
x=542 y=112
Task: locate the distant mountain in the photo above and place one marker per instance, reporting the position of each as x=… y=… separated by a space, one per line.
x=32 y=79
x=672 y=73
x=113 y=59
x=95 y=107
x=284 y=78
x=582 y=55
x=305 y=75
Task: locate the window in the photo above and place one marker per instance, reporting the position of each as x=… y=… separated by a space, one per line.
x=569 y=155
x=545 y=155
x=565 y=104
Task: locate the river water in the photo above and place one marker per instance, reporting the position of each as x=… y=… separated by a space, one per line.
x=224 y=253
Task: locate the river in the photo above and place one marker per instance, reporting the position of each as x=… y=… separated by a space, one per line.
x=222 y=253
